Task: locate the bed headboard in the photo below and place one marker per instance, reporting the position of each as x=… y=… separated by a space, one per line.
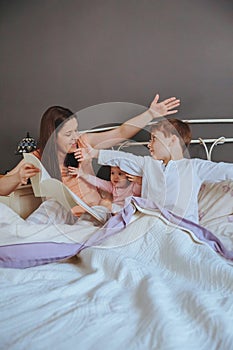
x=212 y=142
x=200 y=147
x=207 y=143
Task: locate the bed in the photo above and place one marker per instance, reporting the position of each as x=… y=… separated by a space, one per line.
x=153 y=285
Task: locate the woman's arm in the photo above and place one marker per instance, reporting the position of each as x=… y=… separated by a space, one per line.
x=131 y=127
x=18 y=176
x=8 y=183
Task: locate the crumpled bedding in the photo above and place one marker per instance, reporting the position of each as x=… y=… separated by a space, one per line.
x=152 y=286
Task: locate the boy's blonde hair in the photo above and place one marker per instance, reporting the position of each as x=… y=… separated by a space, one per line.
x=172 y=126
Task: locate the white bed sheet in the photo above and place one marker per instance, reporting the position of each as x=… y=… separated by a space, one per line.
x=158 y=289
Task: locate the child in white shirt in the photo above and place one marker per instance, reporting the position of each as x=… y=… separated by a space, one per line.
x=169 y=179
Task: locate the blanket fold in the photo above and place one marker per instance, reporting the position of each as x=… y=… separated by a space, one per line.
x=26 y=255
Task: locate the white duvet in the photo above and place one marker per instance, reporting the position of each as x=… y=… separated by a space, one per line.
x=152 y=286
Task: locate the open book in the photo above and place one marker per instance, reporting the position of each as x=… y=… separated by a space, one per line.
x=45 y=186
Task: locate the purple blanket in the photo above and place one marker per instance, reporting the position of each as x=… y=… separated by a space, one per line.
x=32 y=254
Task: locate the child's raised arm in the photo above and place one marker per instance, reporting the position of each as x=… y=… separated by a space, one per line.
x=87 y=153
x=134 y=178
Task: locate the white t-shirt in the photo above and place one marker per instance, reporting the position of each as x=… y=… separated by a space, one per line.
x=175 y=186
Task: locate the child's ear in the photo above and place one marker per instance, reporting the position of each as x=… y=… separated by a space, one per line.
x=173 y=140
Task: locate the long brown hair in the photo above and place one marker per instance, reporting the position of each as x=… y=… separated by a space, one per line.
x=52 y=121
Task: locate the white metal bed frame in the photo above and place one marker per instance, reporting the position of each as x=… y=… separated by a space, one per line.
x=214 y=142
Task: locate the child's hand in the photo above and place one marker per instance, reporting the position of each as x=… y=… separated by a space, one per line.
x=87 y=153
x=134 y=178
x=106 y=203
x=25 y=172
x=73 y=171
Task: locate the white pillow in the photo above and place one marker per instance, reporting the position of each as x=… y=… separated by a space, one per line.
x=215 y=200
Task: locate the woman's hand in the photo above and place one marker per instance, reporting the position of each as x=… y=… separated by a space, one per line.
x=79 y=154
x=25 y=172
x=16 y=177
x=159 y=109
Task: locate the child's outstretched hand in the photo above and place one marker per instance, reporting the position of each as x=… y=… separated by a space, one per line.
x=73 y=171
x=87 y=153
x=134 y=178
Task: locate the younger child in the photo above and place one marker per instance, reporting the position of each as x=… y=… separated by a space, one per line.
x=169 y=179
x=120 y=186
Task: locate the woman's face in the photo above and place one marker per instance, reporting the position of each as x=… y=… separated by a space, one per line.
x=67 y=137
x=118 y=178
x=159 y=146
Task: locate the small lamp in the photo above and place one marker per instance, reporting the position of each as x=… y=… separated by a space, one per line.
x=26 y=145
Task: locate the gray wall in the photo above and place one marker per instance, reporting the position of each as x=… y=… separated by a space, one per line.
x=81 y=53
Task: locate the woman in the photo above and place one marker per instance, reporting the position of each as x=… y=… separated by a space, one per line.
x=59 y=136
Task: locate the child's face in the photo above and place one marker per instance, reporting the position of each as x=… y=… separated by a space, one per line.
x=159 y=146
x=118 y=178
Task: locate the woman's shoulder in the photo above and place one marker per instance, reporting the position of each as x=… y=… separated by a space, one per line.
x=36 y=153
x=83 y=140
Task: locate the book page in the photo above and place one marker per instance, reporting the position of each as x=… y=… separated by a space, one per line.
x=38 y=178
x=59 y=191
x=45 y=186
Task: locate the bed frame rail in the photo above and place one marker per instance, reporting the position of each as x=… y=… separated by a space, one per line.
x=212 y=141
